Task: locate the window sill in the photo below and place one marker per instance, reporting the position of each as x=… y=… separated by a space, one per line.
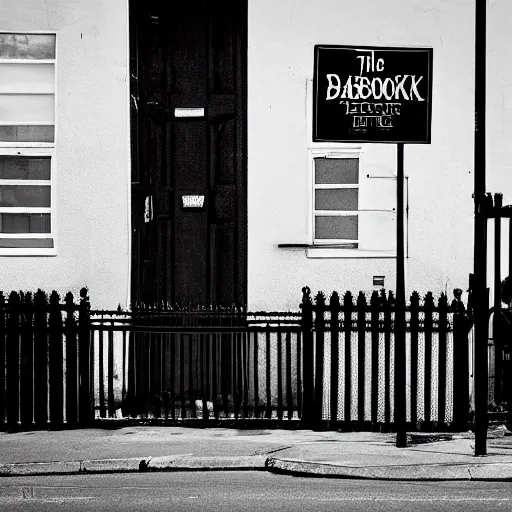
x=28 y=252
x=318 y=251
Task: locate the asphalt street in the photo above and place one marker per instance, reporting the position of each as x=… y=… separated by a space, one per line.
x=244 y=491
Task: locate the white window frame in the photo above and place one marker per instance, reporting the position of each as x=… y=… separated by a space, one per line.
x=28 y=149
x=338 y=155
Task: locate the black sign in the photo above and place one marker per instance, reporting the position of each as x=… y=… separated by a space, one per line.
x=369 y=94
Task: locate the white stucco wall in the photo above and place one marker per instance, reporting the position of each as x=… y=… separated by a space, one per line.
x=281 y=40
x=92 y=150
x=93 y=144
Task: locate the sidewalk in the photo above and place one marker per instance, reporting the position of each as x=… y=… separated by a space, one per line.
x=299 y=452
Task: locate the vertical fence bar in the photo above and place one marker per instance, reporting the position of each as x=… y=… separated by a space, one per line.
x=256 y=379
x=387 y=304
x=40 y=360
x=56 y=367
x=497 y=330
x=239 y=340
x=3 y=368
x=374 y=309
x=110 y=390
x=246 y=360
x=461 y=325
x=347 y=316
x=320 y=309
x=225 y=371
x=414 y=329
x=213 y=338
x=13 y=361
x=361 y=342
x=172 y=377
x=27 y=362
x=428 y=325
x=268 y=371
x=182 y=376
x=234 y=370
x=300 y=397
x=71 y=362
x=191 y=339
x=289 y=392
x=441 y=396
x=307 y=359
x=101 y=372
x=335 y=308
x=85 y=359
x=124 y=384
x=204 y=380
x=279 y=376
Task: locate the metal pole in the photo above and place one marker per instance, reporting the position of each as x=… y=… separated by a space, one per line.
x=399 y=405
x=480 y=379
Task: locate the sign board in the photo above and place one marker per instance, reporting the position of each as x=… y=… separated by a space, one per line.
x=372 y=94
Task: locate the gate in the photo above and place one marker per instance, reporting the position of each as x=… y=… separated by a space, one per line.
x=500 y=318
x=197 y=364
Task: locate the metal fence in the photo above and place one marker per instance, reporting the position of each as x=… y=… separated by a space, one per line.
x=328 y=365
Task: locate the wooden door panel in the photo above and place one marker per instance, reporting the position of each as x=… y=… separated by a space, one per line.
x=191 y=260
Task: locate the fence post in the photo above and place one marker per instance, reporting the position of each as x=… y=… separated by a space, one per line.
x=461 y=327
x=27 y=362
x=3 y=368
x=71 y=361
x=56 y=355
x=441 y=371
x=428 y=325
x=84 y=365
x=348 y=307
x=40 y=359
x=320 y=309
x=361 y=341
x=414 y=328
x=335 y=308
x=375 y=327
x=307 y=358
x=386 y=306
x=12 y=361
x=497 y=319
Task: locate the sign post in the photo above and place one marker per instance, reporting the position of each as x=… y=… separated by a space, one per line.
x=377 y=95
x=481 y=304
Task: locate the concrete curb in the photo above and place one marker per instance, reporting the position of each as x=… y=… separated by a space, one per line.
x=137 y=464
x=424 y=472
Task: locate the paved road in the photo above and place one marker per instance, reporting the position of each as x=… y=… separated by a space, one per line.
x=239 y=491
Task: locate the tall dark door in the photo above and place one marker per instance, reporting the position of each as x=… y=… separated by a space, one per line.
x=188 y=111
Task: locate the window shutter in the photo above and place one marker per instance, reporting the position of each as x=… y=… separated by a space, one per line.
x=377 y=215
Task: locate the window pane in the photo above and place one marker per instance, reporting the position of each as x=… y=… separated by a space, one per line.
x=27 y=133
x=32 y=78
x=336 y=199
x=337 y=170
x=25 y=223
x=337 y=228
x=32 y=243
x=25 y=168
x=27 y=46
x=25 y=195
x=21 y=108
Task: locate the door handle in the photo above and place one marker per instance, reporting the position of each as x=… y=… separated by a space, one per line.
x=148 y=209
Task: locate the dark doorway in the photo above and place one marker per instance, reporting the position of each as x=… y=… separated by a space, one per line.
x=189 y=119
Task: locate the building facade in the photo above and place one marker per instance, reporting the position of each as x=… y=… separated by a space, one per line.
x=163 y=150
